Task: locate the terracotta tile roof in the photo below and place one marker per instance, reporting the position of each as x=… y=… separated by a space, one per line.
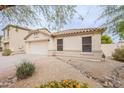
x=25 y=28
x=77 y=31
x=16 y=26
x=43 y=29
x=64 y=32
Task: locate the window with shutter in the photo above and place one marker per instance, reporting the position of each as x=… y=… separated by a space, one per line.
x=86 y=44
x=60 y=45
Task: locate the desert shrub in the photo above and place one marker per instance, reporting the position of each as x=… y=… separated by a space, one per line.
x=25 y=70
x=119 y=54
x=105 y=39
x=64 y=84
x=6 y=52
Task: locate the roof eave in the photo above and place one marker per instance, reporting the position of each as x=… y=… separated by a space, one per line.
x=15 y=26
x=75 y=33
x=35 y=32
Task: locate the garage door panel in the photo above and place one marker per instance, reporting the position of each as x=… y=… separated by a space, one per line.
x=38 y=48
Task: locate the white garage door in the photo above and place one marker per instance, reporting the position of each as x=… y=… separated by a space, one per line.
x=38 y=48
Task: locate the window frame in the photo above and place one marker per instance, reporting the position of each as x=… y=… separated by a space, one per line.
x=87 y=44
x=60 y=46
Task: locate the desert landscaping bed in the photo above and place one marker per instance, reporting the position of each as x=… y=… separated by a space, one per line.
x=108 y=74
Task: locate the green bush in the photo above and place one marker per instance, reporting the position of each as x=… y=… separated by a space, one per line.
x=119 y=54
x=6 y=52
x=63 y=84
x=25 y=70
x=105 y=39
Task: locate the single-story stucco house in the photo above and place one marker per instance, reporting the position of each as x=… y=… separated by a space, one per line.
x=71 y=42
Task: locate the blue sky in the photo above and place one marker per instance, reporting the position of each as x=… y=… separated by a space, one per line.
x=90 y=13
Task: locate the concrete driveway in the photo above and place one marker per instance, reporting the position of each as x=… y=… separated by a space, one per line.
x=8 y=63
x=16 y=59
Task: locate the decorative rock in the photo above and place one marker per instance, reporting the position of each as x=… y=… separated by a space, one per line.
x=90 y=77
x=1 y=83
x=114 y=77
x=5 y=83
x=121 y=74
x=14 y=79
x=108 y=78
x=110 y=84
x=102 y=81
x=10 y=78
x=8 y=82
x=105 y=84
x=117 y=85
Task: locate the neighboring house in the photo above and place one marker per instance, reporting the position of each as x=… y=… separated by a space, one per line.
x=13 y=37
x=72 y=42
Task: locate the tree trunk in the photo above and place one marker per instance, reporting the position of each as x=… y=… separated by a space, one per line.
x=2 y=7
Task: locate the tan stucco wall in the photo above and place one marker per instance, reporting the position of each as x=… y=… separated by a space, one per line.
x=72 y=46
x=108 y=49
x=75 y=42
x=39 y=36
x=16 y=39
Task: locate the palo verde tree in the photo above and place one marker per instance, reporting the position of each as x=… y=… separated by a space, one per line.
x=114 y=16
x=120 y=29
x=54 y=16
